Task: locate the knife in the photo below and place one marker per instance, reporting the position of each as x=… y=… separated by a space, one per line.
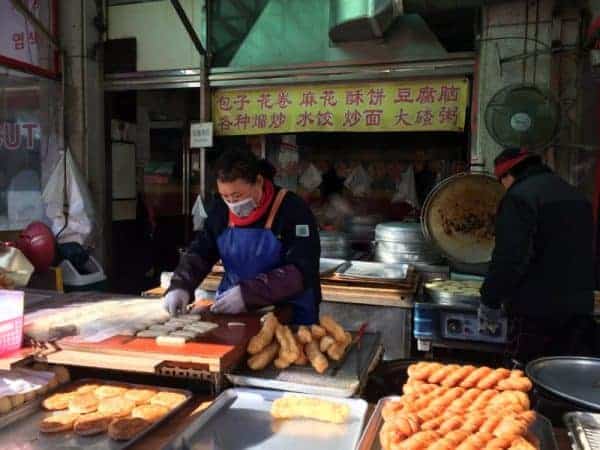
x=356 y=341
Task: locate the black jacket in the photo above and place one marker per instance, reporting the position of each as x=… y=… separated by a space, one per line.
x=300 y=254
x=542 y=264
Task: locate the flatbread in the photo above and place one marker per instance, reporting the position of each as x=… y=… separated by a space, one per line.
x=62 y=421
x=57 y=402
x=83 y=403
x=151 y=333
x=116 y=407
x=169 y=399
x=91 y=424
x=164 y=328
x=127 y=428
x=151 y=413
x=201 y=327
x=140 y=396
x=87 y=388
x=109 y=391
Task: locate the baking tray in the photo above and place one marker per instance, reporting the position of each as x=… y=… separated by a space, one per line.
x=303 y=379
x=570 y=378
x=327 y=266
x=240 y=419
x=542 y=429
x=374 y=271
x=584 y=430
x=20 y=429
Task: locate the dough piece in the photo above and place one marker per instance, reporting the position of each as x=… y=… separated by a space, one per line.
x=337 y=350
x=420 y=440
x=317 y=332
x=62 y=374
x=57 y=402
x=282 y=363
x=262 y=359
x=475 y=377
x=5 y=405
x=150 y=333
x=62 y=421
x=295 y=407
x=170 y=400
x=457 y=376
x=151 y=413
x=116 y=406
x=108 y=391
x=288 y=350
x=91 y=424
x=140 y=396
x=316 y=358
x=265 y=335
x=201 y=327
x=304 y=334
x=83 y=403
x=188 y=334
x=522 y=384
x=491 y=380
x=333 y=328
x=171 y=340
x=87 y=388
x=302 y=359
x=442 y=373
x=124 y=429
x=165 y=329
x=325 y=343
x=17 y=400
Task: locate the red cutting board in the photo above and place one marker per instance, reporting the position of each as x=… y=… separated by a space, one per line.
x=220 y=349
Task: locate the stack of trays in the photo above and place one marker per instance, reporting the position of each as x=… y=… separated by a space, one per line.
x=334 y=245
x=403 y=243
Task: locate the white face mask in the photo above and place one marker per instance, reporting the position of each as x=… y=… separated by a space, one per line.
x=243 y=208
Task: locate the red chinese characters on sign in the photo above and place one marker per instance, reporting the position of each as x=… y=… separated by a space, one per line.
x=241 y=101
x=426 y=95
x=325 y=119
x=402 y=119
x=305 y=119
x=242 y=121
x=354 y=97
x=425 y=118
x=328 y=98
x=376 y=97
x=352 y=118
x=259 y=121
x=448 y=94
x=277 y=120
x=283 y=99
x=224 y=103
x=403 y=95
x=448 y=115
x=308 y=99
x=224 y=123
x=264 y=100
x=373 y=117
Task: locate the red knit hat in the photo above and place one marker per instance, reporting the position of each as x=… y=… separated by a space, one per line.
x=508 y=159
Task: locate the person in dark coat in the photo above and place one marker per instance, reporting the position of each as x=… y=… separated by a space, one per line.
x=267 y=239
x=542 y=271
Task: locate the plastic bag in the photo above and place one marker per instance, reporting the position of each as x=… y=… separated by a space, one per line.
x=406 y=190
x=198 y=214
x=80 y=223
x=359 y=182
x=311 y=178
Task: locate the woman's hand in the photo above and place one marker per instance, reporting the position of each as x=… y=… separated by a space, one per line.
x=176 y=301
x=229 y=302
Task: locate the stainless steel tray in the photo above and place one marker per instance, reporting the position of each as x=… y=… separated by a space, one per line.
x=20 y=430
x=303 y=379
x=584 y=430
x=374 y=271
x=542 y=429
x=571 y=378
x=240 y=419
x=328 y=266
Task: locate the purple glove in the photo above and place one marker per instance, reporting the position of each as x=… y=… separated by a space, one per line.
x=229 y=302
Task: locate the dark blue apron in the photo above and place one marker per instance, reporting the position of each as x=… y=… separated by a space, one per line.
x=248 y=252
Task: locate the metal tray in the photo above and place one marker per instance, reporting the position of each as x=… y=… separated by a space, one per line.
x=584 y=430
x=570 y=378
x=240 y=419
x=303 y=379
x=328 y=266
x=374 y=271
x=20 y=430
x=542 y=429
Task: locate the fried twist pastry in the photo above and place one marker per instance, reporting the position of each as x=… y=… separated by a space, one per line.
x=265 y=335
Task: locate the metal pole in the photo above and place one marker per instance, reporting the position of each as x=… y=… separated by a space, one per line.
x=205 y=95
x=188 y=26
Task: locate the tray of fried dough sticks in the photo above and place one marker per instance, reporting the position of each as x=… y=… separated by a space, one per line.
x=22 y=431
x=241 y=418
x=541 y=430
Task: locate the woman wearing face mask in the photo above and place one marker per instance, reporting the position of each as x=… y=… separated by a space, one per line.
x=267 y=239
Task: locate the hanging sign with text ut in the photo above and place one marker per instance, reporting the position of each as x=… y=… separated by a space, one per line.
x=416 y=105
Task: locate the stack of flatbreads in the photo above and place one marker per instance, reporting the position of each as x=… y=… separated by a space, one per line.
x=120 y=410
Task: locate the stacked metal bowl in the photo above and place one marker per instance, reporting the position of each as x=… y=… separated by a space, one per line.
x=403 y=242
x=362 y=228
x=334 y=245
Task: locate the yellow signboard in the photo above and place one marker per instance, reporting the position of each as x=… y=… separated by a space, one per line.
x=418 y=105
